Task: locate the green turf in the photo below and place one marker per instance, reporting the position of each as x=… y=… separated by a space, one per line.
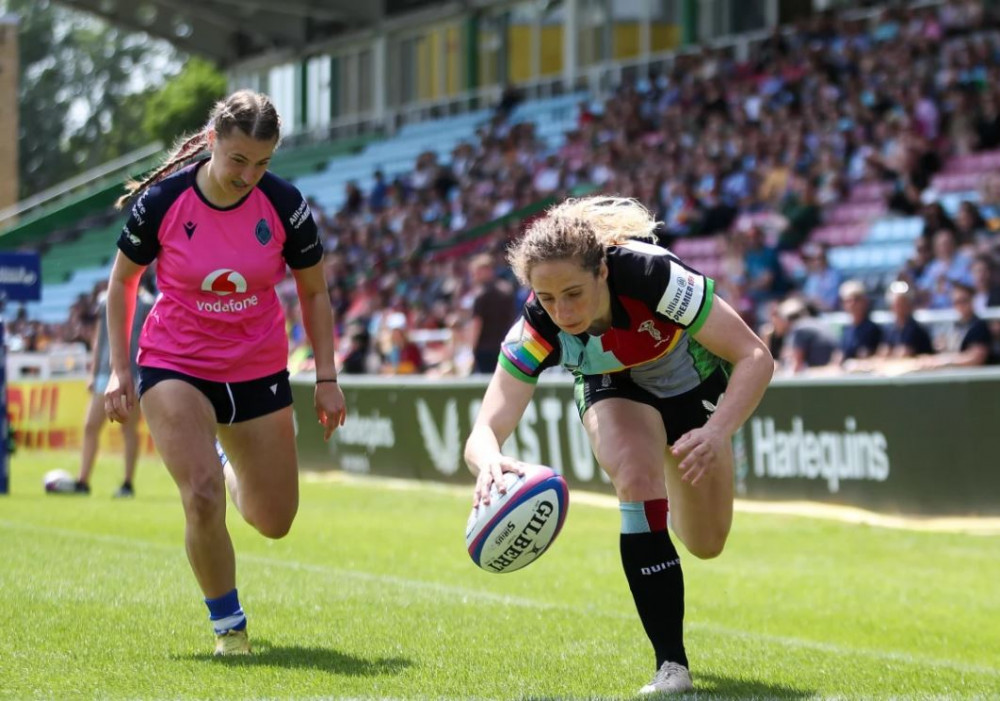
x=373 y=596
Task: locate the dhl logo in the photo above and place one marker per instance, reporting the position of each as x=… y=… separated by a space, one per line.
x=34 y=403
x=50 y=415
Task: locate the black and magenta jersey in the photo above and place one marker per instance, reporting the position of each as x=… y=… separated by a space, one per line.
x=218 y=316
x=657 y=304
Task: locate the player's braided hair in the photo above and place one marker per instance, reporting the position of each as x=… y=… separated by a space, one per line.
x=252 y=113
x=580 y=229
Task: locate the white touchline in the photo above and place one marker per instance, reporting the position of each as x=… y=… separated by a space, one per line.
x=966 y=525
x=477 y=596
x=467 y=595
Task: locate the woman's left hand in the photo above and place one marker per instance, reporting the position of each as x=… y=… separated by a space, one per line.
x=700 y=450
x=331 y=408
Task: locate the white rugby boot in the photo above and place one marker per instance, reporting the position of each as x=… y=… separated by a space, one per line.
x=670 y=678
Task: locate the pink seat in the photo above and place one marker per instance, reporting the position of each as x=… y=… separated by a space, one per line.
x=973 y=163
x=711 y=267
x=962 y=164
x=855 y=212
x=706 y=247
x=840 y=235
x=685 y=248
x=791 y=261
x=991 y=160
x=955 y=182
x=868 y=192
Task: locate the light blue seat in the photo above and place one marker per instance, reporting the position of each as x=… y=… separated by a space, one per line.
x=842 y=258
x=899 y=254
x=895 y=229
x=90 y=276
x=951 y=200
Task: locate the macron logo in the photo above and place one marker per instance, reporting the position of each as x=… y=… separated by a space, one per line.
x=224 y=282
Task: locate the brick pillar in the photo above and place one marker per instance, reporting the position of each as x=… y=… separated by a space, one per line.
x=10 y=70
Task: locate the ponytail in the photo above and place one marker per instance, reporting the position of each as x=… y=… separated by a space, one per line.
x=185 y=150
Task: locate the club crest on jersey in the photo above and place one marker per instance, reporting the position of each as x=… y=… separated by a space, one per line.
x=262 y=232
x=224 y=282
x=649 y=327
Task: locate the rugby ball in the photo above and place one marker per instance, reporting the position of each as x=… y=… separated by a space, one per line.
x=515 y=528
x=59 y=482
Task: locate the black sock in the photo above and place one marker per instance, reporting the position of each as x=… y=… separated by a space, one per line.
x=653 y=570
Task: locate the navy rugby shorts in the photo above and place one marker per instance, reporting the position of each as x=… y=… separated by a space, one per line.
x=233 y=401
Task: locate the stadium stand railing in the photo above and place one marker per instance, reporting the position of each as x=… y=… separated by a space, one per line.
x=69 y=203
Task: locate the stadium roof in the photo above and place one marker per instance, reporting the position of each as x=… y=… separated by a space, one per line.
x=229 y=31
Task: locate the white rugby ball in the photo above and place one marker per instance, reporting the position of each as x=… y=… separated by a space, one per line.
x=515 y=528
x=59 y=481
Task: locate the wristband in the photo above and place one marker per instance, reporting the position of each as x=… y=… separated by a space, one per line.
x=334 y=380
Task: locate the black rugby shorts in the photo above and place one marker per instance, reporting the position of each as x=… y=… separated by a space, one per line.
x=680 y=414
x=233 y=401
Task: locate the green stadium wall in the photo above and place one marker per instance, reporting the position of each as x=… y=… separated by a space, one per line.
x=923 y=445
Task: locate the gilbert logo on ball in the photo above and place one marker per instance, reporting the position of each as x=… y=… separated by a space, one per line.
x=515 y=528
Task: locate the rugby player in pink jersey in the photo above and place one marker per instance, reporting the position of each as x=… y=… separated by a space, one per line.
x=213 y=352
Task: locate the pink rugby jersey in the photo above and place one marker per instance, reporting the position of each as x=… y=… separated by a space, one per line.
x=218 y=316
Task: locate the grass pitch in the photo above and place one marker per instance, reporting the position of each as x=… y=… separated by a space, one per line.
x=373 y=596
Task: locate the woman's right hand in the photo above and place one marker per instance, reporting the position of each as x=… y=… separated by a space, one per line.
x=490 y=473
x=119 y=397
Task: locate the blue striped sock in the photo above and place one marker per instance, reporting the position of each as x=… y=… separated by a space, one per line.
x=226 y=613
x=221 y=453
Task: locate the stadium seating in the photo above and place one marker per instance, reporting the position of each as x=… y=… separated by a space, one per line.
x=93 y=249
x=396 y=155
x=697 y=248
x=840 y=235
x=864 y=240
x=57 y=298
x=895 y=230
x=71 y=268
x=852 y=212
x=393 y=156
x=296 y=161
x=869 y=192
x=553 y=117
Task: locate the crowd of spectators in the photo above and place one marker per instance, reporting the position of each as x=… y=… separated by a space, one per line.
x=22 y=334
x=754 y=152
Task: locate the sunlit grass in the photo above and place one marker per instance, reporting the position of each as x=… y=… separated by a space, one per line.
x=372 y=595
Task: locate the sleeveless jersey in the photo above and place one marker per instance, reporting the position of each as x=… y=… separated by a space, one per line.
x=218 y=316
x=657 y=303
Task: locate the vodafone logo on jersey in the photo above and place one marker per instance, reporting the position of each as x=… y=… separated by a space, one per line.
x=224 y=282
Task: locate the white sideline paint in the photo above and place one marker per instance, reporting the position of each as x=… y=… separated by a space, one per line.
x=466 y=595
x=475 y=597
x=969 y=525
